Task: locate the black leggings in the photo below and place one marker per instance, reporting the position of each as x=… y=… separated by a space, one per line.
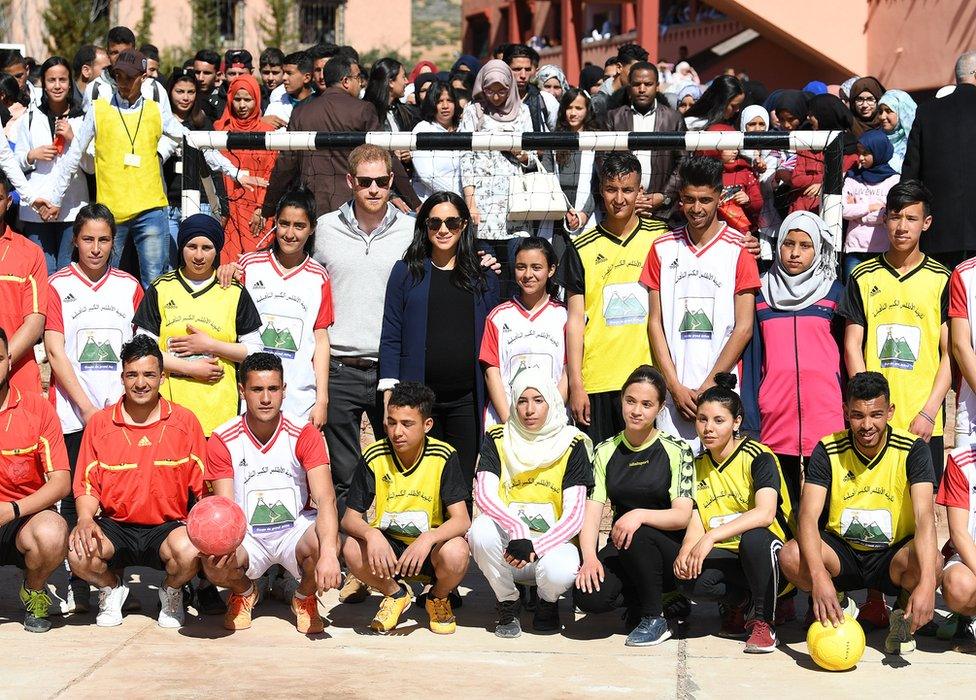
x=72 y=442
x=733 y=578
x=792 y=468
x=635 y=577
x=456 y=423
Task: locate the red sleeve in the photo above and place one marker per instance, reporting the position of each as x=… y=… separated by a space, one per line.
x=198 y=456
x=651 y=274
x=325 y=317
x=488 y=355
x=746 y=273
x=86 y=475
x=954 y=490
x=958 y=298
x=35 y=286
x=55 y=319
x=137 y=296
x=310 y=448
x=755 y=196
x=54 y=456
x=218 y=460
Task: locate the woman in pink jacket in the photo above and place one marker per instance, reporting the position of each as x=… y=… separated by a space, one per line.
x=797 y=327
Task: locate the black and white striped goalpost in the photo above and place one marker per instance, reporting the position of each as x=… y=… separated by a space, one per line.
x=829 y=143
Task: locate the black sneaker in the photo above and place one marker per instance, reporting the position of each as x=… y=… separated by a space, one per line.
x=546 y=617
x=508 y=626
x=529 y=596
x=676 y=606
x=209 y=601
x=36 y=606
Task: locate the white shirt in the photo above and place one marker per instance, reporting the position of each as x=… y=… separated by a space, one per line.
x=95 y=319
x=644 y=123
x=435 y=171
x=293 y=304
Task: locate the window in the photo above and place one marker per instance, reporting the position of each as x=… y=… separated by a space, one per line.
x=227 y=19
x=317 y=21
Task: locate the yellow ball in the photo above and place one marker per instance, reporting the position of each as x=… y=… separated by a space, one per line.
x=836 y=648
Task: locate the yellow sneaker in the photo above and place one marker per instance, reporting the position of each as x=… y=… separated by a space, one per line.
x=353 y=590
x=441 y=615
x=307 y=618
x=388 y=616
x=239 y=610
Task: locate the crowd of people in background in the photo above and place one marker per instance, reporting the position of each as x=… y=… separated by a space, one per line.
x=757 y=399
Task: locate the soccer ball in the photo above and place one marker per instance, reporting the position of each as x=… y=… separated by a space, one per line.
x=216 y=526
x=836 y=648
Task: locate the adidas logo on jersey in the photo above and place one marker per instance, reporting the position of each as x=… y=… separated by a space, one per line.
x=243 y=463
x=259 y=285
x=600 y=258
x=674 y=264
x=170 y=304
x=701 y=485
x=144 y=442
x=387 y=479
x=849 y=476
x=70 y=297
x=874 y=290
x=505 y=327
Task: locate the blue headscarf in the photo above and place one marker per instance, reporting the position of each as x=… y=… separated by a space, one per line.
x=881 y=150
x=901 y=103
x=815 y=87
x=473 y=64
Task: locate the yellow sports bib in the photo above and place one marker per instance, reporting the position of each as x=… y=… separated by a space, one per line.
x=408 y=498
x=725 y=491
x=870 y=505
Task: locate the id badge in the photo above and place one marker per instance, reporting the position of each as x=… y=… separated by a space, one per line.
x=132 y=160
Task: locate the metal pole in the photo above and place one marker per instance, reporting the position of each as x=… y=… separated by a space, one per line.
x=190 y=181
x=831 y=199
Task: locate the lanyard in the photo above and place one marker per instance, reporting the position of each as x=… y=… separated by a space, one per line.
x=132 y=138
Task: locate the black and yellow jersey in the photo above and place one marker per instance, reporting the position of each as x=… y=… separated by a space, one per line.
x=727 y=490
x=410 y=500
x=536 y=497
x=606 y=270
x=902 y=317
x=869 y=502
x=169 y=306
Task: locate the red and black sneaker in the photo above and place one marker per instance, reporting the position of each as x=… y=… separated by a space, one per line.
x=874 y=613
x=733 y=621
x=762 y=637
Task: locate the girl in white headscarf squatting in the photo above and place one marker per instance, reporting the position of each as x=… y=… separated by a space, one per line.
x=531 y=483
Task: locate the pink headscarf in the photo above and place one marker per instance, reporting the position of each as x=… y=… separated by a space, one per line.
x=497 y=71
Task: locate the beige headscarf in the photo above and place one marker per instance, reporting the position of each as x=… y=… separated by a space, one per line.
x=526 y=450
x=497 y=71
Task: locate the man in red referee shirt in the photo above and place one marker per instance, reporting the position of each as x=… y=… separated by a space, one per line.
x=139 y=461
x=33 y=477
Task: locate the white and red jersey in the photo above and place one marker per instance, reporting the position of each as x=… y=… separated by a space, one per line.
x=516 y=339
x=270 y=479
x=95 y=319
x=698 y=287
x=959 y=482
x=962 y=304
x=293 y=304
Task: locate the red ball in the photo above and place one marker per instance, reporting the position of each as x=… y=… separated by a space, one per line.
x=216 y=526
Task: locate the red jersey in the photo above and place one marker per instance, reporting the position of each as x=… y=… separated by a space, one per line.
x=23 y=291
x=31 y=444
x=142 y=474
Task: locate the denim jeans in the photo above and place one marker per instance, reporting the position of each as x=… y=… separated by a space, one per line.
x=54 y=239
x=149 y=231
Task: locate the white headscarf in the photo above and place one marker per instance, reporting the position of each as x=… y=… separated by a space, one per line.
x=786 y=292
x=748 y=114
x=526 y=450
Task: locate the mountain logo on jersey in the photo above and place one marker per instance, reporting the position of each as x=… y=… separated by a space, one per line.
x=869 y=528
x=898 y=345
x=277 y=516
x=411 y=523
x=98 y=354
x=624 y=304
x=696 y=322
x=281 y=335
x=539 y=517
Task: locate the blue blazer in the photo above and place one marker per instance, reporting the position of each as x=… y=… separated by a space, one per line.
x=403 y=342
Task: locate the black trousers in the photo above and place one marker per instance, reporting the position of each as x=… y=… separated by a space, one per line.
x=456 y=423
x=733 y=578
x=72 y=441
x=636 y=577
x=793 y=475
x=352 y=392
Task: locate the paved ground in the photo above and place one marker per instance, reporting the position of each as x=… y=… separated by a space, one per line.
x=138 y=659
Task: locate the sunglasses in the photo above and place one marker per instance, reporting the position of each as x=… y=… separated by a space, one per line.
x=382 y=182
x=453 y=223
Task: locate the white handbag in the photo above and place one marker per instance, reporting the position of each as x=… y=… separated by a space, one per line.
x=536 y=196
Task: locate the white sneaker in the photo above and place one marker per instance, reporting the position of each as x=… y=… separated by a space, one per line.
x=171 y=614
x=110 y=602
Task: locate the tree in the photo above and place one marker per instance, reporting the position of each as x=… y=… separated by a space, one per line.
x=71 y=24
x=275 y=25
x=144 y=28
x=206 y=24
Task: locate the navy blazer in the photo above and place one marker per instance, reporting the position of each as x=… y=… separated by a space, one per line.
x=403 y=342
